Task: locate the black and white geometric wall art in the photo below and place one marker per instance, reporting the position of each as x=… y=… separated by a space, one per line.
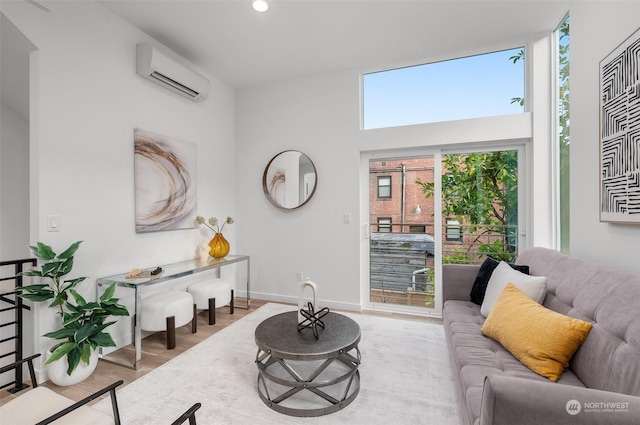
x=620 y=133
x=165 y=182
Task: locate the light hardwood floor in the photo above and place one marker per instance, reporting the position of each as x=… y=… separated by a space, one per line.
x=155 y=353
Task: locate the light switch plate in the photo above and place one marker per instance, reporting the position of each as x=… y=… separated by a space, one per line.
x=53 y=223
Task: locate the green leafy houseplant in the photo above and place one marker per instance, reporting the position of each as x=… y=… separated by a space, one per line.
x=83 y=323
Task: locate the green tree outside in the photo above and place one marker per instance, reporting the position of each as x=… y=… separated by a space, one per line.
x=482 y=190
x=564 y=134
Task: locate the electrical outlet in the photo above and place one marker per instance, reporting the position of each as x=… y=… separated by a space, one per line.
x=299 y=276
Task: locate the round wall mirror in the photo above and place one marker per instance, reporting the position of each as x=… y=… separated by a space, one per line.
x=289 y=180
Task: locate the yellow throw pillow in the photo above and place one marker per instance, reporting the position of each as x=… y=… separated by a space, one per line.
x=541 y=339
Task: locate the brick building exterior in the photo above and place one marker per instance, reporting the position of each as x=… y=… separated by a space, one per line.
x=403 y=201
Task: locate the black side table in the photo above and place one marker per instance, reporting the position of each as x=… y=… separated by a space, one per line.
x=300 y=375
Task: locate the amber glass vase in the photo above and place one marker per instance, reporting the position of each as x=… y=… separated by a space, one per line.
x=219 y=246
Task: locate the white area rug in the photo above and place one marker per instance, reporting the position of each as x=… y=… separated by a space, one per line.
x=405 y=379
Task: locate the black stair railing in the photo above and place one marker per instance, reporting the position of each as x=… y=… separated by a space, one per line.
x=11 y=302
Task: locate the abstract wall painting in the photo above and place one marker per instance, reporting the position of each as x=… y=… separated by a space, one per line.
x=620 y=133
x=165 y=182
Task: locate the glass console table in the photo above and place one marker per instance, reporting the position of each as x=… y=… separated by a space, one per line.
x=170 y=272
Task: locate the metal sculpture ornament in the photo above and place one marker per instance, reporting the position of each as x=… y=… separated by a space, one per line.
x=308 y=318
x=312 y=319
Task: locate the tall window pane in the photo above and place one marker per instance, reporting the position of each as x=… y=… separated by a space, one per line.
x=470 y=87
x=563 y=141
x=384 y=187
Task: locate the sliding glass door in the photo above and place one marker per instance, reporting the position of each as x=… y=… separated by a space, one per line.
x=429 y=210
x=402 y=240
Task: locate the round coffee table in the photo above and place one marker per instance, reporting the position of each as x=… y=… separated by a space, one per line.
x=300 y=375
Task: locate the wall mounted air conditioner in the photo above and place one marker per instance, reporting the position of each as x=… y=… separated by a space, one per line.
x=170 y=73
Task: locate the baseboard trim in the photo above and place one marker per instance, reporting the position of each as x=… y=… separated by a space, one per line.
x=287 y=299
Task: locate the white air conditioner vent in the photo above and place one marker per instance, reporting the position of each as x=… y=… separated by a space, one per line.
x=164 y=70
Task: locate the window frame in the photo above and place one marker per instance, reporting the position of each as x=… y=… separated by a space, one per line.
x=562 y=208
x=389 y=186
x=385 y=223
x=452 y=223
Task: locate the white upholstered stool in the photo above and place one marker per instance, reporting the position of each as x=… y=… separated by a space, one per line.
x=166 y=311
x=211 y=294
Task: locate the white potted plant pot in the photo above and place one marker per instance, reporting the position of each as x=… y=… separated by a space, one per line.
x=78 y=317
x=57 y=370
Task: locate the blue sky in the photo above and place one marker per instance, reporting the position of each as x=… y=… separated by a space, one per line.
x=471 y=87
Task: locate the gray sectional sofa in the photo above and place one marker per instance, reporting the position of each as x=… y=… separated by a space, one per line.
x=602 y=383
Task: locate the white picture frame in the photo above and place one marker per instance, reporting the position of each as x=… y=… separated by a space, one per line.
x=165 y=182
x=620 y=133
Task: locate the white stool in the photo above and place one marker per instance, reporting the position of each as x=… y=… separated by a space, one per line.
x=211 y=294
x=166 y=310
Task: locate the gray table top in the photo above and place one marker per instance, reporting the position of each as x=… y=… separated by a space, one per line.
x=279 y=336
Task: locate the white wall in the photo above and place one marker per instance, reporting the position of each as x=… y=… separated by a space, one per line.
x=89 y=99
x=597 y=28
x=14 y=212
x=319 y=116
x=14 y=142
x=14 y=172
x=14 y=185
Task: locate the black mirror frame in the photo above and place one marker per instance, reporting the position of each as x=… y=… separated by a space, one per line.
x=265 y=185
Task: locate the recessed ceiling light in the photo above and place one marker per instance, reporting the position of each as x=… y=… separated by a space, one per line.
x=260 y=5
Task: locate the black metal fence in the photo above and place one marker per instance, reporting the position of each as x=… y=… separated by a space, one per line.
x=10 y=303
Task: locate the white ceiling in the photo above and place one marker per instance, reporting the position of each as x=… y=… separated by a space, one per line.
x=244 y=48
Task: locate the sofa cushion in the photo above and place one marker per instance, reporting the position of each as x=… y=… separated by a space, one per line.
x=484 y=274
x=534 y=286
x=541 y=339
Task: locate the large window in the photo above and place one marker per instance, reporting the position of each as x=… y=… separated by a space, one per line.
x=562 y=139
x=470 y=87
